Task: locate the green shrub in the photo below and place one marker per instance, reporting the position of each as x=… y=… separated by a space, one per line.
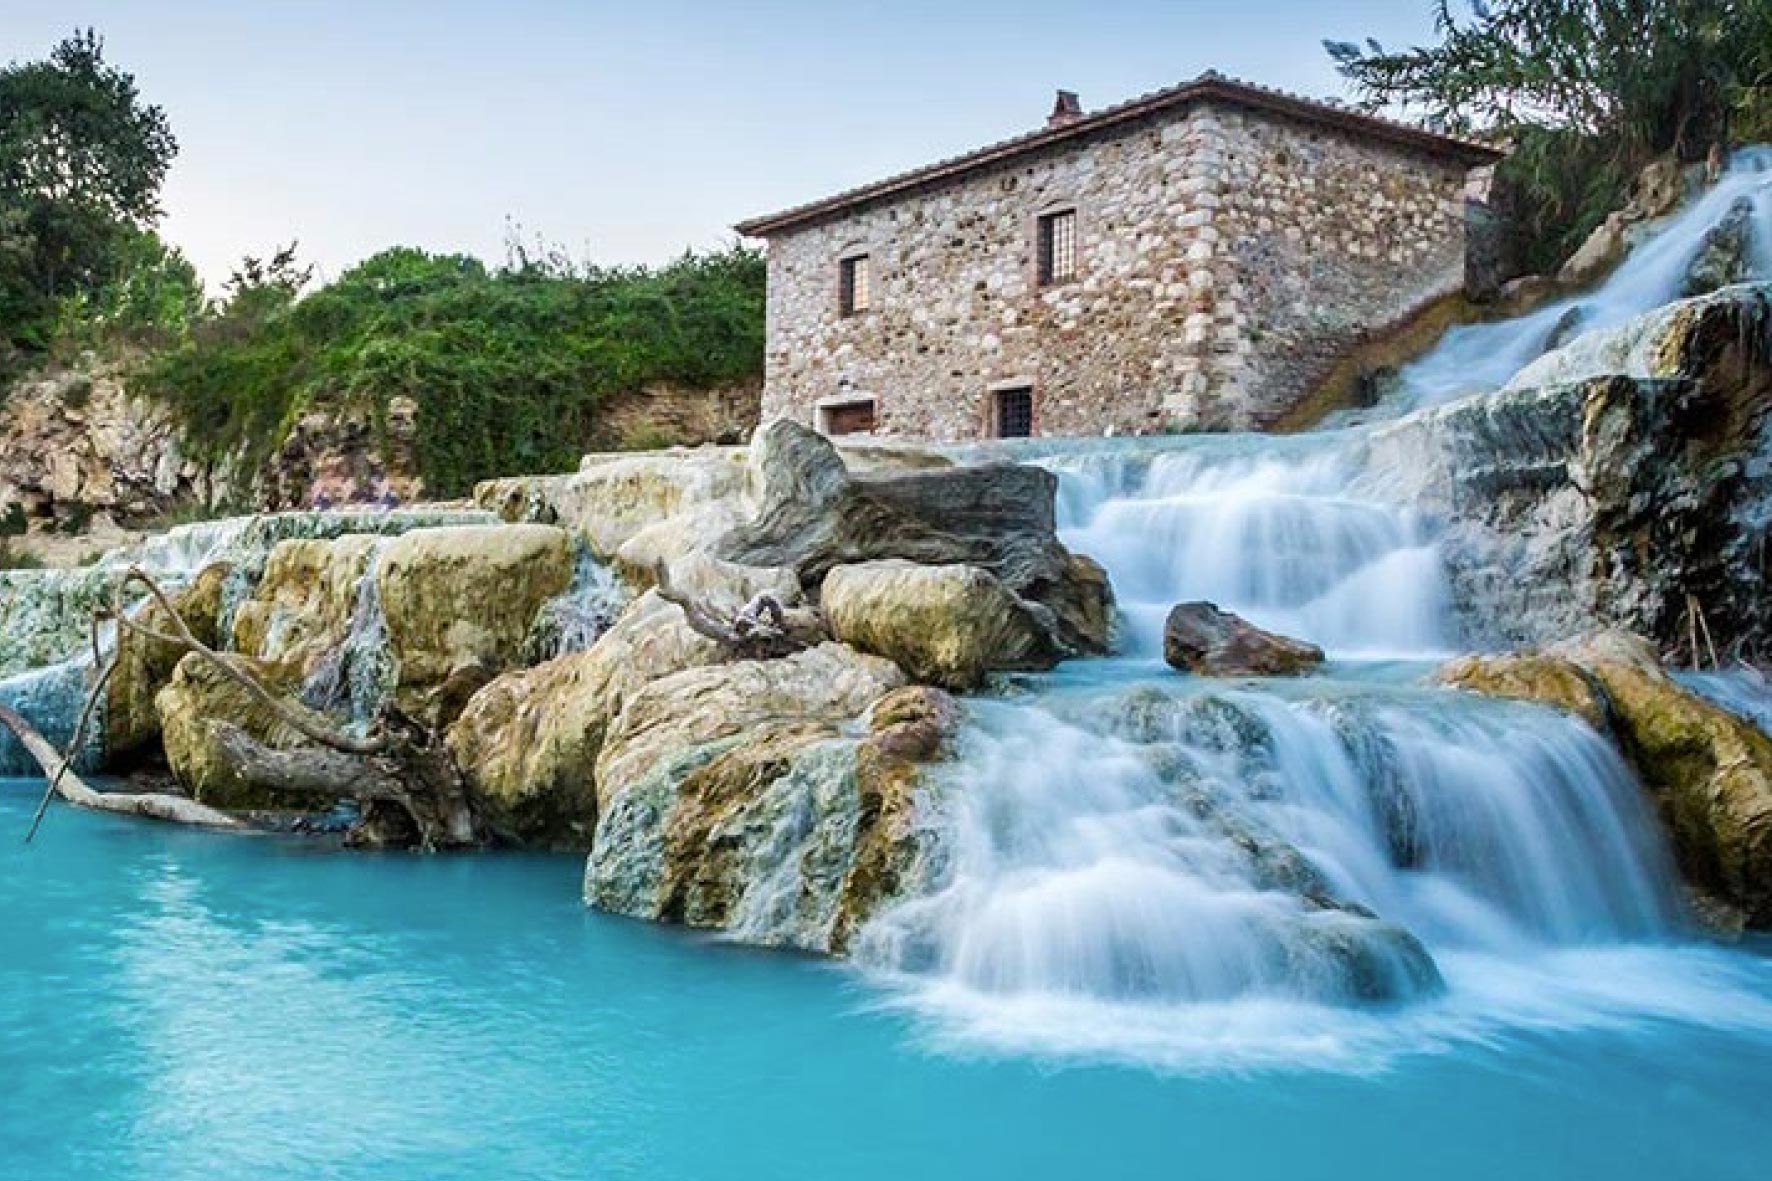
x=507 y=366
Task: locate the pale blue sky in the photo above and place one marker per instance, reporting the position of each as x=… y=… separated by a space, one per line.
x=626 y=131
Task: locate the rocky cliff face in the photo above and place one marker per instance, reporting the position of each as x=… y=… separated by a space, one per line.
x=79 y=451
x=77 y=447
x=1619 y=481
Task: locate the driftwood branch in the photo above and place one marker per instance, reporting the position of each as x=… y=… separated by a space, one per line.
x=229 y=665
x=410 y=789
x=760 y=630
x=65 y=783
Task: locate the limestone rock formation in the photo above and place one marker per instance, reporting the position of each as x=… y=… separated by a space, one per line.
x=528 y=742
x=301 y=609
x=947 y=625
x=335 y=456
x=145 y=666
x=1658 y=191
x=463 y=597
x=1709 y=771
x=201 y=710
x=1199 y=638
x=75 y=446
x=1616 y=482
x=814 y=515
x=730 y=796
x=1724 y=257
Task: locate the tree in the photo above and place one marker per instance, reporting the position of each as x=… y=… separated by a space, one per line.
x=82 y=161
x=1588 y=90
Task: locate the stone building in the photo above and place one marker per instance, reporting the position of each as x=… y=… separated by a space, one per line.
x=1193 y=259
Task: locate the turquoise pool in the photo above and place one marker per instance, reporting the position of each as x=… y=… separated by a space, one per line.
x=176 y=1005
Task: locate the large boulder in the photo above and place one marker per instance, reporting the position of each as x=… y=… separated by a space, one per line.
x=144 y=665
x=947 y=625
x=465 y=598
x=736 y=796
x=1709 y=771
x=1612 y=482
x=815 y=514
x=1199 y=638
x=528 y=742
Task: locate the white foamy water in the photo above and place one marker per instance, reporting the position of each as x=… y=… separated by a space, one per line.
x=1330 y=871
x=1476 y=358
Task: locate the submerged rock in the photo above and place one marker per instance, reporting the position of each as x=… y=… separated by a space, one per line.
x=948 y=625
x=1709 y=772
x=1200 y=638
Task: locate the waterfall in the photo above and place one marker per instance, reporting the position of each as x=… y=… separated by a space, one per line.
x=1276 y=530
x=1187 y=872
x=356 y=677
x=572 y=620
x=1130 y=861
x=1476 y=358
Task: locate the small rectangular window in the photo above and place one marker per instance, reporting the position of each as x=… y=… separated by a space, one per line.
x=849 y=418
x=1058 y=247
x=855 y=285
x=1015 y=413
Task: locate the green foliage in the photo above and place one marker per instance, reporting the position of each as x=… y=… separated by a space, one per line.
x=1589 y=90
x=82 y=159
x=507 y=366
x=152 y=296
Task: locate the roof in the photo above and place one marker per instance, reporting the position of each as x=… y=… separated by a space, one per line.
x=1210 y=86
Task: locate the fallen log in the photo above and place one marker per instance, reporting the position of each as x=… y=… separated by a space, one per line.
x=65 y=783
x=401 y=774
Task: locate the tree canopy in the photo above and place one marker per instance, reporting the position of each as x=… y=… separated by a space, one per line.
x=82 y=161
x=1588 y=90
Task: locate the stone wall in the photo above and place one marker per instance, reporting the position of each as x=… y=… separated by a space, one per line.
x=1224 y=258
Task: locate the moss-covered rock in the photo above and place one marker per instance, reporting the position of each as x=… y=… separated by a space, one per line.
x=1709 y=771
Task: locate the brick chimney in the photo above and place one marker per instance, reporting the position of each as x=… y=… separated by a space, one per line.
x=1065 y=109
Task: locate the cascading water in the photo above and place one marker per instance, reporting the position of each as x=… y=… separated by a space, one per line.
x=1477 y=358
x=1184 y=870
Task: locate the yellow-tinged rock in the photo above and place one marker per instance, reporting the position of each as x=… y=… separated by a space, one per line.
x=949 y=625
x=528 y=742
x=465 y=596
x=830 y=683
x=144 y=666
x=301 y=609
x=1710 y=771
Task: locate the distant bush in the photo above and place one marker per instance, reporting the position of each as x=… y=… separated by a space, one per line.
x=507 y=366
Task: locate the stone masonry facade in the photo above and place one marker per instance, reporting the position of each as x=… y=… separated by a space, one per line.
x=1226 y=253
